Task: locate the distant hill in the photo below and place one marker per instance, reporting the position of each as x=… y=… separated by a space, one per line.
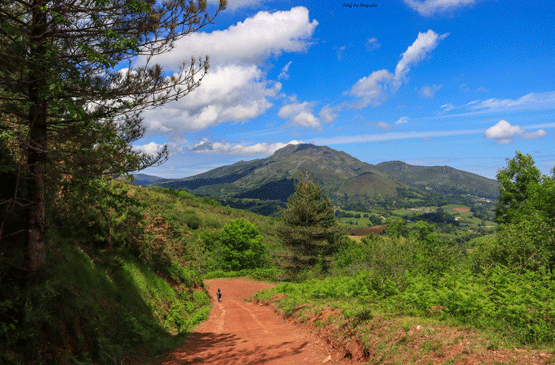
x=345 y=179
x=273 y=178
x=144 y=179
x=276 y=190
x=371 y=184
x=441 y=179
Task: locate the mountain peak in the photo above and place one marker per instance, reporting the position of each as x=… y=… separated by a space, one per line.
x=306 y=146
x=293 y=148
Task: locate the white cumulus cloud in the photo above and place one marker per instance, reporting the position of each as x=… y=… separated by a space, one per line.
x=402 y=120
x=150 y=149
x=537 y=134
x=375 y=88
x=301 y=114
x=251 y=41
x=503 y=132
x=233 y=93
x=422 y=46
x=372 y=90
x=239 y=149
x=429 y=91
x=327 y=113
x=430 y=7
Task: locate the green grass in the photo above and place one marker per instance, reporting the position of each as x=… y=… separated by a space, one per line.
x=450 y=207
x=109 y=304
x=509 y=303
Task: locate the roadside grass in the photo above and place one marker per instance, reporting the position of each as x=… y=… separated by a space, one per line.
x=375 y=336
x=500 y=310
x=101 y=306
x=270 y=274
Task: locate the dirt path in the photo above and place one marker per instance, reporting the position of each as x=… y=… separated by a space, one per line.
x=238 y=332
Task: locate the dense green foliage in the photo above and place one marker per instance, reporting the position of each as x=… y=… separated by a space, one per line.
x=393 y=257
x=266 y=273
x=516 y=179
x=519 y=307
x=121 y=277
x=241 y=246
x=526 y=209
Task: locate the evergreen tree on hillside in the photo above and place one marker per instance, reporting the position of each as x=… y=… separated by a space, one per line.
x=72 y=90
x=309 y=225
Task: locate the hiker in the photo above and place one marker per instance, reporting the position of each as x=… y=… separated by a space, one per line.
x=219 y=294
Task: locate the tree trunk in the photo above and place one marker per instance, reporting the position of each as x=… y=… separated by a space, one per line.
x=36 y=149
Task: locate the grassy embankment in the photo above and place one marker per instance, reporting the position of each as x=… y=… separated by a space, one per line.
x=121 y=284
x=403 y=300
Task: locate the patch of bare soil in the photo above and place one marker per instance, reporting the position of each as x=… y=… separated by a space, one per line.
x=239 y=332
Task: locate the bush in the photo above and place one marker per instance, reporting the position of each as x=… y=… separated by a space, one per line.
x=192 y=220
x=213 y=222
x=269 y=273
x=184 y=194
x=241 y=245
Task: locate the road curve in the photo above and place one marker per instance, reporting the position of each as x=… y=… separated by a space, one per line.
x=238 y=332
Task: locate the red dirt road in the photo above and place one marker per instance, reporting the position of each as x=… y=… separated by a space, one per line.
x=239 y=332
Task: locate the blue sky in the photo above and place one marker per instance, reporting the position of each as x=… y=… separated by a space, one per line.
x=463 y=83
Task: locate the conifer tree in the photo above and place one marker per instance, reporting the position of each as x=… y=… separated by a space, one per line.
x=309 y=225
x=73 y=92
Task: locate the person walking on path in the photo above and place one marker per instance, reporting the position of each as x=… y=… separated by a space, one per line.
x=219 y=294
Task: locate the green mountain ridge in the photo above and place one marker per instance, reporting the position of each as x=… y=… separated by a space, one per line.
x=442 y=179
x=342 y=177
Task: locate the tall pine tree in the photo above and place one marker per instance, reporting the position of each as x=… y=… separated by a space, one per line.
x=73 y=93
x=309 y=225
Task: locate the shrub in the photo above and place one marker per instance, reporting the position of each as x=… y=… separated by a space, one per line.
x=241 y=245
x=192 y=220
x=213 y=222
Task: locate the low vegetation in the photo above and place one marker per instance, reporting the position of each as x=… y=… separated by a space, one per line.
x=124 y=274
x=125 y=267
x=502 y=284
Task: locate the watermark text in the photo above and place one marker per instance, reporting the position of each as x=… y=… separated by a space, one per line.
x=358 y=5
